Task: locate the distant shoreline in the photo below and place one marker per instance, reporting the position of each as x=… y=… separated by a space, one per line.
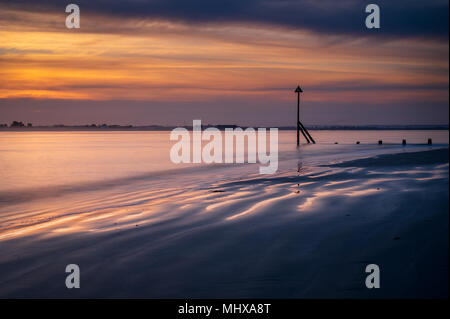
x=59 y=128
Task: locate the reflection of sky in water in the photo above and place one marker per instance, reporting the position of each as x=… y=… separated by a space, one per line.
x=223 y=202
x=211 y=194
x=38 y=159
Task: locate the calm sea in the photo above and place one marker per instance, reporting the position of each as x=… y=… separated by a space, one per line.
x=31 y=160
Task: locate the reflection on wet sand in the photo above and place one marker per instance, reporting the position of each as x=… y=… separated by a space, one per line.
x=252 y=236
x=313 y=187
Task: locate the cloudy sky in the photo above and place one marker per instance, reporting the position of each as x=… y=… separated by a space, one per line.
x=224 y=62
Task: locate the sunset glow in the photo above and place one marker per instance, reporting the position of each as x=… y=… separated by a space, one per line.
x=158 y=60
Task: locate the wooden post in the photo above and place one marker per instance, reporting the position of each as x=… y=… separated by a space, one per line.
x=300 y=126
x=430 y=141
x=298 y=119
x=303 y=129
x=298 y=90
x=404 y=142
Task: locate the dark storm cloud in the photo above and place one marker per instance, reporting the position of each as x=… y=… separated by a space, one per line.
x=398 y=18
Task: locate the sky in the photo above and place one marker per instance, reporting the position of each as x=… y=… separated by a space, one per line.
x=238 y=62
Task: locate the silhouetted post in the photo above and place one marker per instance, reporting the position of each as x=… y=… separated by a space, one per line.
x=298 y=90
x=430 y=141
x=404 y=142
x=300 y=127
x=380 y=142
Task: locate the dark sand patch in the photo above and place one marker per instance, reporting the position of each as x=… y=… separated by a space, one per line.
x=432 y=157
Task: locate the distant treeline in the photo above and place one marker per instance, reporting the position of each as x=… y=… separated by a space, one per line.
x=372 y=127
x=58 y=127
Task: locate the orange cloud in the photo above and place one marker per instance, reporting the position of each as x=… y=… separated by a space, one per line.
x=166 y=61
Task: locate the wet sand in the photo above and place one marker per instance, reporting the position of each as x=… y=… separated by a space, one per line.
x=305 y=234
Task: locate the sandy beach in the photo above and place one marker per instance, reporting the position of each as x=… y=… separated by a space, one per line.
x=306 y=232
x=225 y=156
